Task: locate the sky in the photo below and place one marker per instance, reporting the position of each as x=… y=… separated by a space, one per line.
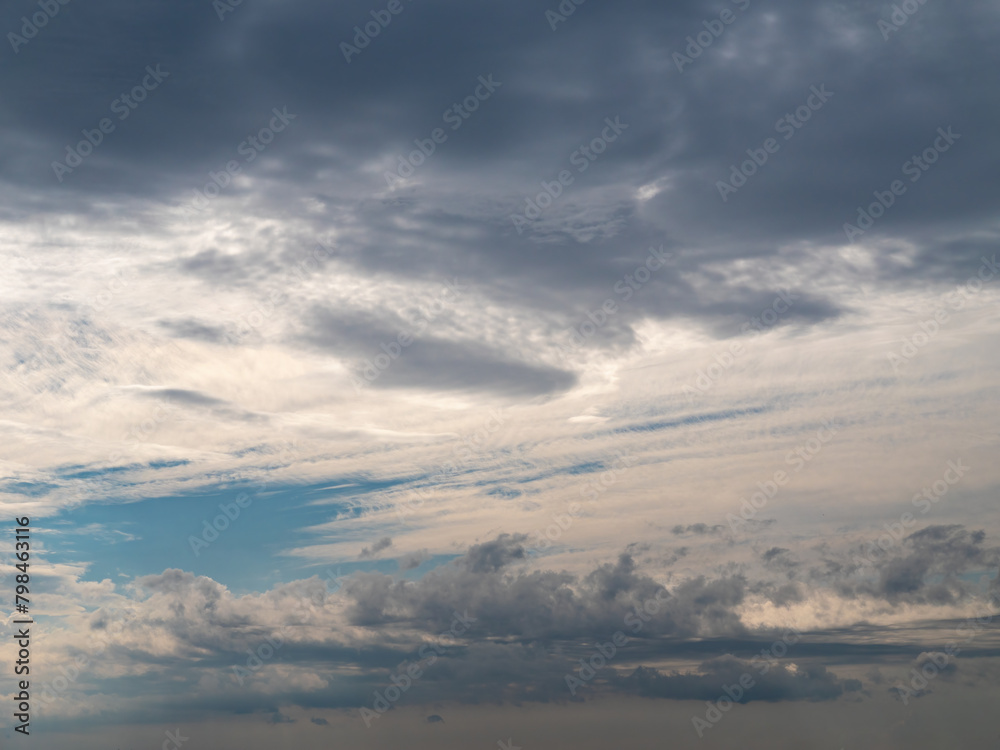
x=537 y=375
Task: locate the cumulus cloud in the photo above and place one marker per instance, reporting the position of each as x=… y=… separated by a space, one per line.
x=157 y=340
x=542 y=604
x=929 y=565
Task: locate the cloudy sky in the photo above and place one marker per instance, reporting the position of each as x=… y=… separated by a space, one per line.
x=522 y=375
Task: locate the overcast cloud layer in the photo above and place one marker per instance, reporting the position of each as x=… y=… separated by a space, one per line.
x=563 y=375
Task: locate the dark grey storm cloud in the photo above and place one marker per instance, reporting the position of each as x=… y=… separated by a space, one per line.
x=934 y=565
x=430 y=361
x=224 y=79
x=543 y=604
x=524 y=632
x=778 y=683
x=567 y=159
